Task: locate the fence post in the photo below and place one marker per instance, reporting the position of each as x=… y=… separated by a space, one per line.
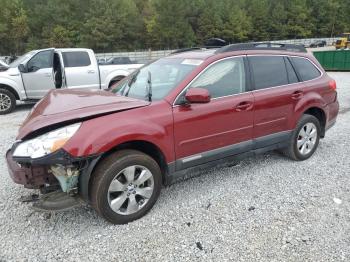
x=149 y=54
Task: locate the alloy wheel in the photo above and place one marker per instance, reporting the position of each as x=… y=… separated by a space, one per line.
x=5 y=102
x=130 y=190
x=307 y=138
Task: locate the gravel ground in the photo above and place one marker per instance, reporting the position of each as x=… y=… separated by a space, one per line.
x=265 y=208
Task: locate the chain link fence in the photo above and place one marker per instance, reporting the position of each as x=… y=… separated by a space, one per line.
x=146 y=56
x=143 y=57
x=307 y=41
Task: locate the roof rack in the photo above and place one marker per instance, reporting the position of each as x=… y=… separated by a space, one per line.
x=262 y=46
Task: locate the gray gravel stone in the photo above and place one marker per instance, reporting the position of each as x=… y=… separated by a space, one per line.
x=266 y=208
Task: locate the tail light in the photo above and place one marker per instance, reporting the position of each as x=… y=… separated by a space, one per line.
x=333 y=85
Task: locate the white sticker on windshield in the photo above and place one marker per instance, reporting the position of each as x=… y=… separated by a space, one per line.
x=192 y=62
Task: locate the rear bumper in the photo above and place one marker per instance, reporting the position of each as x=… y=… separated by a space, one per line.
x=332 y=114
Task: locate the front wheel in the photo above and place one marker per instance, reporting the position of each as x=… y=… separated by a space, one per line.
x=305 y=138
x=125 y=186
x=7 y=101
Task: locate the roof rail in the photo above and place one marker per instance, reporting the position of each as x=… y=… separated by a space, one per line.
x=262 y=46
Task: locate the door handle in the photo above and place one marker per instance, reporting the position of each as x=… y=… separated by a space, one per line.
x=244 y=106
x=297 y=95
x=91 y=71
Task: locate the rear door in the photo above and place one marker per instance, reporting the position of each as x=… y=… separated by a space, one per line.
x=80 y=71
x=220 y=128
x=276 y=88
x=38 y=79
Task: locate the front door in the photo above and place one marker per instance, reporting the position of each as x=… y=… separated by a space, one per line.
x=38 y=79
x=220 y=128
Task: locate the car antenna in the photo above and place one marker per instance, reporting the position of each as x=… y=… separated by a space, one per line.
x=149 y=87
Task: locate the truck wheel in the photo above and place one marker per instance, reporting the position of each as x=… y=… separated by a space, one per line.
x=125 y=186
x=305 y=138
x=7 y=101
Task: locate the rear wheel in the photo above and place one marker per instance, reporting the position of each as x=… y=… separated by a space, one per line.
x=305 y=138
x=125 y=186
x=7 y=101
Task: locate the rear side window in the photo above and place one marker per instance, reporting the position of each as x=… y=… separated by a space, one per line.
x=76 y=59
x=305 y=68
x=292 y=77
x=268 y=71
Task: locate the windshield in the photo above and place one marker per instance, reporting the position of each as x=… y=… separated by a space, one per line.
x=164 y=74
x=20 y=59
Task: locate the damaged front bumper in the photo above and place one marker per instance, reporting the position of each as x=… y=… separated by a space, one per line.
x=30 y=176
x=58 y=170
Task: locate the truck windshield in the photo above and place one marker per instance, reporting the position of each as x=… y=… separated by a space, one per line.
x=21 y=59
x=166 y=74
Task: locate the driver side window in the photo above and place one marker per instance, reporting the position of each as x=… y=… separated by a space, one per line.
x=223 y=78
x=39 y=61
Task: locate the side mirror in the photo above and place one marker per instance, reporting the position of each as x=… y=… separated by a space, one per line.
x=22 y=68
x=197 y=95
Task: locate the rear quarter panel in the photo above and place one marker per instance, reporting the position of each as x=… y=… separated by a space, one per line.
x=317 y=93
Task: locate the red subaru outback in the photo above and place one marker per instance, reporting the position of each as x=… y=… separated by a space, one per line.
x=116 y=149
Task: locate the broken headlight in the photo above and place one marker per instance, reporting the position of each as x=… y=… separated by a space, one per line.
x=47 y=143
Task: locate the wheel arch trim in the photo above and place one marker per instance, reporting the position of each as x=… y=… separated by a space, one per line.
x=85 y=176
x=114 y=74
x=11 y=89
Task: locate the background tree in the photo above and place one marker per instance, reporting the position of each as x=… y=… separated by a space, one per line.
x=169 y=25
x=278 y=21
x=237 y=24
x=210 y=21
x=111 y=25
x=115 y=25
x=13 y=26
x=299 y=23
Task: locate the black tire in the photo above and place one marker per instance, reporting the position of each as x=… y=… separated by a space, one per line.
x=107 y=170
x=11 y=96
x=292 y=150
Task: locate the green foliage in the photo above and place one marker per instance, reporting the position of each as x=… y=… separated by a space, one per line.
x=112 y=25
x=258 y=10
x=298 y=19
x=169 y=26
x=13 y=26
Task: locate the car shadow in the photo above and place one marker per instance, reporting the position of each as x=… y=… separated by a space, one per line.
x=24 y=107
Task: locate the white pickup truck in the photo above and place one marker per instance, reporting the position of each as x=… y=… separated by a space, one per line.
x=32 y=75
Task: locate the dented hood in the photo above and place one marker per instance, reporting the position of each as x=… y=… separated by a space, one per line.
x=73 y=105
